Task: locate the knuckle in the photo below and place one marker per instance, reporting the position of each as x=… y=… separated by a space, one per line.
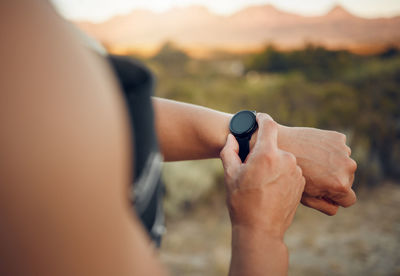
x=269 y=158
x=348 y=150
x=340 y=185
x=341 y=137
x=302 y=182
x=289 y=158
x=222 y=153
x=263 y=117
x=352 y=165
x=265 y=121
x=270 y=125
x=299 y=171
x=229 y=173
x=350 y=203
x=351 y=199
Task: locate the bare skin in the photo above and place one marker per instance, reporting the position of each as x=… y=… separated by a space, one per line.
x=65 y=165
x=262 y=196
x=64 y=162
x=323 y=155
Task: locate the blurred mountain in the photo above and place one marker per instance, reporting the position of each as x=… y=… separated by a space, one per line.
x=250 y=28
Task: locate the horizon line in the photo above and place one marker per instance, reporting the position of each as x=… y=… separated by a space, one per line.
x=182 y=7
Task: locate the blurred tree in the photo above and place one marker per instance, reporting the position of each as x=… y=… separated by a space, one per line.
x=170 y=54
x=315 y=62
x=269 y=60
x=390 y=52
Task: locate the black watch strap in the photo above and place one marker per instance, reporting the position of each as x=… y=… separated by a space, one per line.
x=244 y=147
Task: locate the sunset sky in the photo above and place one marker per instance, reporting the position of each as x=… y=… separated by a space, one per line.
x=100 y=10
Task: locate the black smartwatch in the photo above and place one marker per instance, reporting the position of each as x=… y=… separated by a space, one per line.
x=243 y=124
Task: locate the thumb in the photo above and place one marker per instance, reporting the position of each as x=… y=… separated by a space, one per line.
x=267 y=138
x=229 y=154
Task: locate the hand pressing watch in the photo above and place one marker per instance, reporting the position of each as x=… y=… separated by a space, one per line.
x=243 y=124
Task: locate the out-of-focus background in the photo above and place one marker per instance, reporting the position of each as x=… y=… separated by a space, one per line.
x=326 y=64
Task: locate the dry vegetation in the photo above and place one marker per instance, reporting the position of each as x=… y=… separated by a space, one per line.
x=315 y=87
x=361 y=240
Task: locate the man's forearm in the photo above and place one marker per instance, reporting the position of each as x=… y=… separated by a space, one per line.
x=187 y=131
x=256 y=253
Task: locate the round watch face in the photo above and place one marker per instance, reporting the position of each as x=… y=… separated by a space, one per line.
x=243 y=123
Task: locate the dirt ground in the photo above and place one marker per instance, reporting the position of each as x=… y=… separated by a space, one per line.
x=361 y=240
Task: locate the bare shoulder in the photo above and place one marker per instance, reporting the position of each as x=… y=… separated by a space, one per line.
x=64 y=155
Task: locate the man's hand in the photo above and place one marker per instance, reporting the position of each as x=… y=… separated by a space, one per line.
x=326 y=164
x=264 y=191
x=262 y=196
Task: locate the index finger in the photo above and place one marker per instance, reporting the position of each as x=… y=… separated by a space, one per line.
x=267 y=137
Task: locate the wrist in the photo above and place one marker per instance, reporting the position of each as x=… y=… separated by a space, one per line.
x=257 y=233
x=257 y=253
x=218 y=140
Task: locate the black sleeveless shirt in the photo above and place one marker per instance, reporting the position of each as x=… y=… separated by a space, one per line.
x=137 y=84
